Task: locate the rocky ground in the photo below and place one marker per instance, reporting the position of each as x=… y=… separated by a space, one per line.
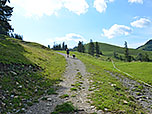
x=141 y=93
x=74 y=88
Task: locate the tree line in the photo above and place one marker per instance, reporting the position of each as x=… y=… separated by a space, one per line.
x=143 y=57
x=5 y=15
x=62 y=46
x=94 y=50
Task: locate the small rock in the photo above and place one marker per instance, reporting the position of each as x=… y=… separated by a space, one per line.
x=23 y=109
x=125 y=102
x=92 y=107
x=3 y=104
x=17 y=111
x=20 y=104
x=14 y=73
x=80 y=109
x=49 y=99
x=113 y=85
x=12 y=96
x=105 y=109
x=77 y=101
x=100 y=111
x=35 y=90
x=14 y=110
x=16 y=97
x=17 y=83
x=49 y=104
x=20 y=86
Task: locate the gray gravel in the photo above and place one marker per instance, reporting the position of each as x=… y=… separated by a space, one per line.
x=141 y=92
x=78 y=98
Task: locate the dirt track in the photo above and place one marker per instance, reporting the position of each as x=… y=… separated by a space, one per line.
x=75 y=73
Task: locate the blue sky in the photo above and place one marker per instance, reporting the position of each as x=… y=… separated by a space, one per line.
x=107 y=21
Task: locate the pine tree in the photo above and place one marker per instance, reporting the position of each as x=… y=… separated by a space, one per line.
x=5 y=14
x=91 y=48
x=66 y=46
x=59 y=47
x=127 y=57
x=48 y=46
x=63 y=46
x=146 y=57
x=81 y=47
x=115 y=55
x=97 y=49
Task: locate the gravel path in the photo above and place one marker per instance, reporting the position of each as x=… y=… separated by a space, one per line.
x=75 y=75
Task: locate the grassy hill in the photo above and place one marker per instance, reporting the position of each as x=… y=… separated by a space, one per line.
x=108 y=50
x=147 y=46
x=27 y=71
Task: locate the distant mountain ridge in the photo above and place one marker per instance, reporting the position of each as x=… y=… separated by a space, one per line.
x=147 y=46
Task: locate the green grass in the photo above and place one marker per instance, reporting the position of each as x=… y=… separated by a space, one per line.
x=108 y=50
x=109 y=94
x=27 y=71
x=51 y=91
x=64 y=96
x=73 y=89
x=64 y=108
x=139 y=70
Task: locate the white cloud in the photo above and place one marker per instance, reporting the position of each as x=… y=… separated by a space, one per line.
x=68 y=37
x=76 y=6
x=117 y=30
x=101 y=5
x=141 y=23
x=136 y=1
x=71 y=37
x=50 y=7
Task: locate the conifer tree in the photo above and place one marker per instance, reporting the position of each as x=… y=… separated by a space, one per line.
x=63 y=46
x=81 y=47
x=5 y=14
x=127 y=57
x=91 y=48
x=97 y=49
x=66 y=46
x=48 y=46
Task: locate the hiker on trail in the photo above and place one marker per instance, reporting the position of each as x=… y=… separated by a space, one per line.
x=67 y=51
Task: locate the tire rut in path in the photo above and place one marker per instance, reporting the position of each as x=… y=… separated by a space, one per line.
x=75 y=74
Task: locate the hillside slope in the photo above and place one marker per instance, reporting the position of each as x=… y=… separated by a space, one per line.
x=108 y=50
x=27 y=71
x=147 y=46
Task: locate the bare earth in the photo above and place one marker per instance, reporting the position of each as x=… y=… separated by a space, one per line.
x=78 y=98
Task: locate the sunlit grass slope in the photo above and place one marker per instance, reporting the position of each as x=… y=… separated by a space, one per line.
x=108 y=50
x=27 y=70
x=139 y=70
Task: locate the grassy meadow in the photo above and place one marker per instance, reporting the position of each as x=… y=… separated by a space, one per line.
x=27 y=71
x=139 y=70
x=108 y=50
